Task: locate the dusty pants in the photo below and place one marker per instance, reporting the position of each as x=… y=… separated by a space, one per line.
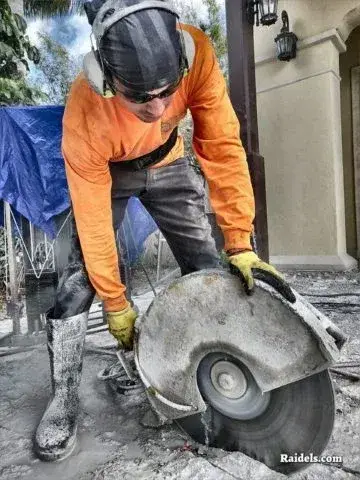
x=174 y=196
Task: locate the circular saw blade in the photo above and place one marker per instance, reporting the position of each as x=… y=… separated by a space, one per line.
x=298 y=419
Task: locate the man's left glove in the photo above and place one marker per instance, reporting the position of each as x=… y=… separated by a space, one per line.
x=121 y=326
x=244 y=263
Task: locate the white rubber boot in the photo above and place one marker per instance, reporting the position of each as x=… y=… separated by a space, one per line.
x=56 y=434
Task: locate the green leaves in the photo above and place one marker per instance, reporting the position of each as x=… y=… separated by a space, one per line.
x=56 y=69
x=15 y=51
x=6 y=51
x=20 y=23
x=213 y=28
x=50 y=8
x=17 y=92
x=33 y=54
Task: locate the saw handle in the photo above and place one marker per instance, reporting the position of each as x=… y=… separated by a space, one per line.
x=277 y=283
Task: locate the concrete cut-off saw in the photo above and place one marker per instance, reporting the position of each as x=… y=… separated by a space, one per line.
x=239 y=372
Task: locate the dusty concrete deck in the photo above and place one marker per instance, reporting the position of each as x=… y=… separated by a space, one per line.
x=112 y=444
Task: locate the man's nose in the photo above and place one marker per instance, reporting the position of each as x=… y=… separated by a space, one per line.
x=156 y=107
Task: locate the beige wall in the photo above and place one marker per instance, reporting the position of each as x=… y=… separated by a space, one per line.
x=297 y=141
x=299 y=110
x=349 y=59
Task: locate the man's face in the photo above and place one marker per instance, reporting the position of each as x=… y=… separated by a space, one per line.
x=150 y=111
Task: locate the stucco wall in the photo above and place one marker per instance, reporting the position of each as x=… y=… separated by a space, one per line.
x=299 y=113
x=297 y=143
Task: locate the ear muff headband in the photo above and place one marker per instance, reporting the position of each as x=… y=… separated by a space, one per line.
x=113 y=10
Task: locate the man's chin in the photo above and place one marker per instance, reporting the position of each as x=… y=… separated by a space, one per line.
x=148 y=118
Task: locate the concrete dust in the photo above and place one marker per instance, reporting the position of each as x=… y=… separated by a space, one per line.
x=113 y=445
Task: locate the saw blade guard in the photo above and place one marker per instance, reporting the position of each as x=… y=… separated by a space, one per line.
x=208 y=312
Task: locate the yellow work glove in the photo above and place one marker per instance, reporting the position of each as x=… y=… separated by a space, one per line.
x=121 y=326
x=247 y=265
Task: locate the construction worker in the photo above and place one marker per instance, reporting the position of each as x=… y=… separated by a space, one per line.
x=120 y=139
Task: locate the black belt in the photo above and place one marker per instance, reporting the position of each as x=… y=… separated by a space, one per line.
x=151 y=158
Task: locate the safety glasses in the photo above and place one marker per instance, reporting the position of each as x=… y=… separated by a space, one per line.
x=144 y=97
x=139 y=97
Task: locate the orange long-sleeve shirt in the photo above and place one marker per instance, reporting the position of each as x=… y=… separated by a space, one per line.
x=97 y=130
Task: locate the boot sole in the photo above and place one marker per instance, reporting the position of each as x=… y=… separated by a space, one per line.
x=57 y=456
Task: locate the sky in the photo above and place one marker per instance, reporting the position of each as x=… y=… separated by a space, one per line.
x=73 y=31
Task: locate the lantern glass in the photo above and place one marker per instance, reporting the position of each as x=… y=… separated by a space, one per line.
x=286 y=46
x=268 y=11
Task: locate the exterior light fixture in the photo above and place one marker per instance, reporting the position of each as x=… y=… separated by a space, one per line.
x=266 y=10
x=286 y=41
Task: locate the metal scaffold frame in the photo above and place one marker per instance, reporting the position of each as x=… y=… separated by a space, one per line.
x=39 y=255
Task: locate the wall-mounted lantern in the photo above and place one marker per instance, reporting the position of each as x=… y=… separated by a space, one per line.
x=286 y=41
x=265 y=10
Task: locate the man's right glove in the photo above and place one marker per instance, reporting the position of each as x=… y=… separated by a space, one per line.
x=121 y=326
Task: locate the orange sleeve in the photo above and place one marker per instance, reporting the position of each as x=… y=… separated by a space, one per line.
x=89 y=183
x=218 y=147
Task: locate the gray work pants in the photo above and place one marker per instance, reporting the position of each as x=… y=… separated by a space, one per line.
x=174 y=195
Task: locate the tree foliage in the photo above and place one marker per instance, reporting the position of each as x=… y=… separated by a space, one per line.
x=213 y=28
x=56 y=69
x=15 y=52
x=51 y=8
x=46 y=8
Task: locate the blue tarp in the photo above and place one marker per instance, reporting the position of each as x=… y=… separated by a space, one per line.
x=32 y=173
